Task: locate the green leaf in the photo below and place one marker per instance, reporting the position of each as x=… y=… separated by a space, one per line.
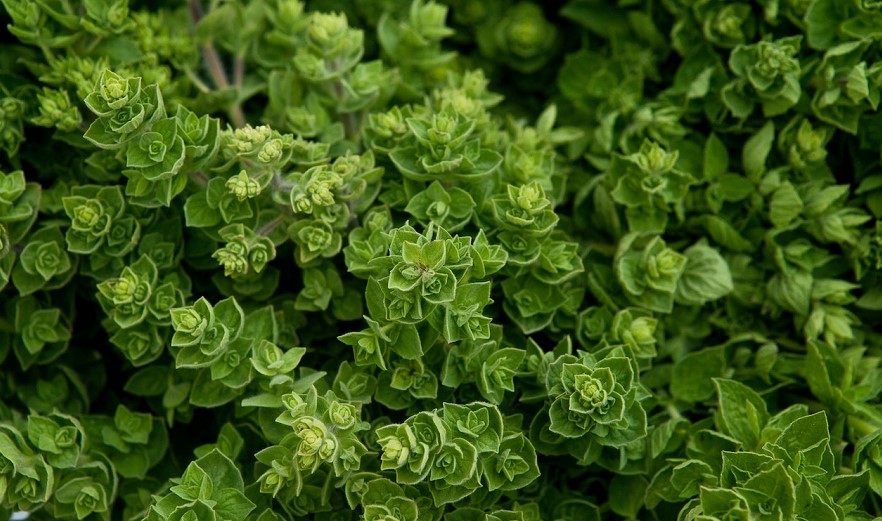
x=626 y=495
x=406 y=341
x=199 y=214
x=210 y=394
x=513 y=467
x=743 y=413
x=706 y=276
x=785 y=206
x=233 y=505
x=133 y=427
x=724 y=234
x=792 y=290
x=150 y=381
x=497 y=373
x=716 y=158
x=756 y=151
x=692 y=376
x=594 y=16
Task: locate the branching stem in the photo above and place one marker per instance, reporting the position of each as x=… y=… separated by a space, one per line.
x=212 y=61
x=269 y=226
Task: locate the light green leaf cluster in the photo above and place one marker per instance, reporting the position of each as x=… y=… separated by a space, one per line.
x=99 y=224
x=457 y=450
x=132 y=118
x=210 y=489
x=649 y=184
x=212 y=338
x=771 y=70
x=245 y=252
x=321 y=431
x=595 y=401
x=523 y=39
x=649 y=271
x=767 y=477
x=421 y=279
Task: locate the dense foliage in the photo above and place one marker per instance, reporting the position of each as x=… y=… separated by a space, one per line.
x=479 y=260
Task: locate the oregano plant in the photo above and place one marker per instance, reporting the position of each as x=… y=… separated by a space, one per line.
x=440 y=260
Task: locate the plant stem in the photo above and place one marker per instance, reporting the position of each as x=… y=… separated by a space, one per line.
x=197 y=81
x=94 y=44
x=269 y=226
x=47 y=53
x=212 y=61
x=199 y=178
x=864 y=428
x=280 y=185
x=350 y=123
x=238 y=71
